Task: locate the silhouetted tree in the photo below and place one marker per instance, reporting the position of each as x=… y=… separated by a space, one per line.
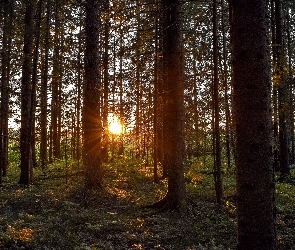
x=253 y=122
x=173 y=107
x=91 y=120
x=26 y=97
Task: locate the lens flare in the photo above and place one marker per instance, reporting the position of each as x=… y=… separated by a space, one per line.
x=115 y=127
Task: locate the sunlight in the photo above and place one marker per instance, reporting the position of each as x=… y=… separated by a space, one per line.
x=115 y=127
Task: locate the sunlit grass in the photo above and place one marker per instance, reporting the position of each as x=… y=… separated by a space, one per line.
x=63 y=215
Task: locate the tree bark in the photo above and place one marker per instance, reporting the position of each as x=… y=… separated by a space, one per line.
x=43 y=91
x=252 y=113
x=173 y=107
x=5 y=60
x=283 y=93
x=55 y=85
x=106 y=83
x=216 y=139
x=91 y=120
x=35 y=79
x=26 y=97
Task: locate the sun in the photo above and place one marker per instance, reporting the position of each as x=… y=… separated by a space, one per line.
x=115 y=127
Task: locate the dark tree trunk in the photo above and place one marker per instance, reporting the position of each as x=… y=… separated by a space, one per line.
x=91 y=120
x=35 y=80
x=121 y=111
x=283 y=92
x=106 y=83
x=56 y=78
x=291 y=85
x=216 y=139
x=275 y=91
x=5 y=61
x=26 y=97
x=173 y=107
x=43 y=92
x=252 y=113
x=226 y=86
x=79 y=94
x=156 y=100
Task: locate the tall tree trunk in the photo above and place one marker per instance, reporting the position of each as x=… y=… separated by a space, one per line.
x=79 y=94
x=291 y=85
x=121 y=113
x=106 y=83
x=91 y=120
x=43 y=91
x=283 y=92
x=56 y=84
x=216 y=139
x=156 y=98
x=26 y=97
x=226 y=86
x=138 y=94
x=253 y=122
x=5 y=61
x=275 y=91
x=173 y=109
x=35 y=80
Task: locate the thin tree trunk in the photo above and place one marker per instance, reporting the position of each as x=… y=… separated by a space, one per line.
x=55 y=84
x=106 y=84
x=121 y=145
x=283 y=92
x=6 y=50
x=35 y=81
x=217 y=152
x=26 y=97
x=43 y=94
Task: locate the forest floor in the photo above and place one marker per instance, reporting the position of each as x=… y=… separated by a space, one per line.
x=57 y=213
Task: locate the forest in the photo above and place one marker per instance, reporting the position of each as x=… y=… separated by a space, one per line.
x=147 y=124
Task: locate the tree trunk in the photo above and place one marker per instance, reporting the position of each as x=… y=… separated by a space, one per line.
x=173 y=109
x=216 y=138
x=26 y=97
x=56 y=84
x=106 y=83
x=283 y=92
x=121 y=111
x=91 y=120
x=43 y=92
x=79 y=94
x=6 y=51
x=35 y=80
x=253 y=122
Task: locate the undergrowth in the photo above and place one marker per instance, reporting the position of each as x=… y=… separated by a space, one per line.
x=56 y=212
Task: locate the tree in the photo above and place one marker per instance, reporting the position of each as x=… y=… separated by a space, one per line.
x=43 y=90
x=56 y=82
x=283 y=93
x=106 y=81
x=91 y=120
x=26 y=97
x=216 y=115
x=8 y=9
x=35 y=79
x=252 y=113
x=173 y=107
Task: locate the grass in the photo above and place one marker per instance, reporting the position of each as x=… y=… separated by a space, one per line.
x=58 y=213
